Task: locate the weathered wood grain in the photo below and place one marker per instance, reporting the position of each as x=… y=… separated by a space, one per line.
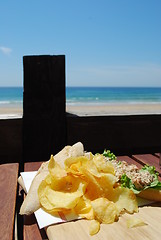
x=30 y=228
x=10 y=140
x=129 y=160
x=44 y=122
x=8 y=191
x=121 y=134
x=124 y=135
x=148 y=159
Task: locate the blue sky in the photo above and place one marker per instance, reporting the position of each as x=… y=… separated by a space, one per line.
x=106 y=42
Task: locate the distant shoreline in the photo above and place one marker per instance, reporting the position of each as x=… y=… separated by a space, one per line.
x=16 y=111
x=115 y=109
x=11 y=111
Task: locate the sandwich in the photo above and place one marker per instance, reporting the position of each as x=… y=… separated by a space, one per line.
x=143 y=182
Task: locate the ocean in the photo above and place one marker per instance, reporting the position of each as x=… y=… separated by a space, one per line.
x=91 y=95
x=11 y=96
x=112 y=95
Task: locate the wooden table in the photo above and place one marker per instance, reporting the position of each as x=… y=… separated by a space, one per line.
x=8 y=193
x=30 y=228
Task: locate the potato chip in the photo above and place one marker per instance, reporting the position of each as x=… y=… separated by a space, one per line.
x=89 y=155
x=94 y=189
x=55 y=169
x=42 y=188
x=74 y=164
x=107 y=182
x=94 y=227
x=125 y=199
x=135 y=222
x=91 y=167
x=72 y=160
x=84 y=208
x=74 y=169
x=64 y=200
x=103 y=165
x=42 y=196
x=87 y=186
x=105 y=211
x=48 y=179
x=70 y=190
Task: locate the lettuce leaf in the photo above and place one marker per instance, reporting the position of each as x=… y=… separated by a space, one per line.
x=156 y=184
x=127 y=183
x=150 y=169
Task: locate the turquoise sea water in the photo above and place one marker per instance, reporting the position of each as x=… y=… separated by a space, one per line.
x=91 y=95
x=111 y=95
x=11 y=95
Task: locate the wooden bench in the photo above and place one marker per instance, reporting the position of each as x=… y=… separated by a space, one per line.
x=8 y=191
x=30 y=227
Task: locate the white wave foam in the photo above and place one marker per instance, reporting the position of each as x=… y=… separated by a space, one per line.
x=5 y=102
x=10 y=116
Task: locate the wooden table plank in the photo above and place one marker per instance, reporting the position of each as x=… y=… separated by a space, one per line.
x=31 y=230
x=32 y=166
x=148 y=159
x=116 y=231
x=129 y=160
x=157 y=154
x=8 y=191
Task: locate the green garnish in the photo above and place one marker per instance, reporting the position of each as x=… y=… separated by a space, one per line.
x=109 y=154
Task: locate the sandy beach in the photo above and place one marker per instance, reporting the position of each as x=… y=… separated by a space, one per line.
x=114 y=109
x=11 y=111
x=16 y=111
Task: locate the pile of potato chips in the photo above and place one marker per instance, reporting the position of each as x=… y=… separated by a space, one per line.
x=87 y=185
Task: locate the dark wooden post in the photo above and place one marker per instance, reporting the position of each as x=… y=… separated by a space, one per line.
x=44 y=121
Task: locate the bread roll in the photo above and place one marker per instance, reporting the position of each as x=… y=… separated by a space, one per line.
x=151 y=194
